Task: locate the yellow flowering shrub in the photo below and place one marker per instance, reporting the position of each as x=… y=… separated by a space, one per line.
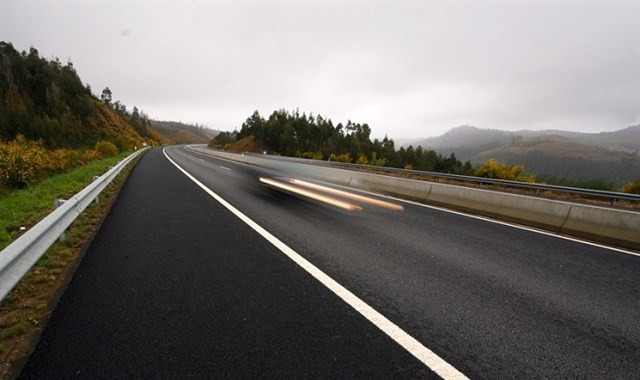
x=632 y=187
x=24 y=161
x=91 y=154
x=21 y=161
x=106 y=149
x=345 y=157
x=493 y=168
x=312 y=155
x=61 y=160
x=362 y=160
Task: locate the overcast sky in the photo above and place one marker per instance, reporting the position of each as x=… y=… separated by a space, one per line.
x=408 y=69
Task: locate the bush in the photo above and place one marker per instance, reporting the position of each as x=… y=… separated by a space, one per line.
x=120 y=144
x=91 y=155
x=345 y=157
x=495 y=169
x=632 y=187
x=377 y=161
x=60 y=160
x=106 y=149
x=223 y=138
x=313 y=155
x=21 y=161
x=362 y=160
x=57 y=160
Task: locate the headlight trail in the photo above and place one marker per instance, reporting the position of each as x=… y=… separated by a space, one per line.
x=310 y=194
x=344 y=194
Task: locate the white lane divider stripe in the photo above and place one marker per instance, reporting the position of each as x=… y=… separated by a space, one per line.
x=415 y=348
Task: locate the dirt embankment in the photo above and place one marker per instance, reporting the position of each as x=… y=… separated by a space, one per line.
x=249 y=144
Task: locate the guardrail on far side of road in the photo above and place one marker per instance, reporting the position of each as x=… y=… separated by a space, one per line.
x=604 y=225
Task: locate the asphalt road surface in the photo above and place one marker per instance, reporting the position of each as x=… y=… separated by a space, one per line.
x=175 y=285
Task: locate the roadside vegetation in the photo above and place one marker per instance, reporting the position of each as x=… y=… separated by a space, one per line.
x=315 y=137
x=21 y=208
x=24 y=311
x=496 y=169
x=23 y=162
x=632 y=187
x=55 y=136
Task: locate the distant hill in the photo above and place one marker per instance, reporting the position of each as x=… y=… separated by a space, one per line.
x=613 y=157
x=399 y=142
x=46 y=100
x=467 y=141
x=174 y=132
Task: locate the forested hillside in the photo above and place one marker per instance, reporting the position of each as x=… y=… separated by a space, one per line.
x=46 y=100
x=174 y=132
x=298 y=135
x=560 y=157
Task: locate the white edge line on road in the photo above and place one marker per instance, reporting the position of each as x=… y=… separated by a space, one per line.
x=415 y=348
x=484 y=218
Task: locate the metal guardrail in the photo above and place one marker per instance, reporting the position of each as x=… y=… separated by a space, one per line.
x=19 y=256
x=612 y=196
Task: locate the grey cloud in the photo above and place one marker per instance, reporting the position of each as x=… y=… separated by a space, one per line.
x=407 y=69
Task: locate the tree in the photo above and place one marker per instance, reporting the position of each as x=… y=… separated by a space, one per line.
x=223 y=138
x=106 y=96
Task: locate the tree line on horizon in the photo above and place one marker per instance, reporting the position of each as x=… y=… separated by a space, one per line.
x=300 y=135
x=315 y=137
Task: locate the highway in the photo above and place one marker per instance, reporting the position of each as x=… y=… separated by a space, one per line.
x=176 y=285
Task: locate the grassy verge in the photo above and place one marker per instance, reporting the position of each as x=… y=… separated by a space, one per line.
x=26 y=308
x=26 y=207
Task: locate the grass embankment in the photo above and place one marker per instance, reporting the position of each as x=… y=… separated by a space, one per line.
x=26 y=207
x=26 y=308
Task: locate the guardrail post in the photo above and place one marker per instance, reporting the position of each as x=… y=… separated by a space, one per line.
x=57 y=203
x=97 y=200
x=613 y=201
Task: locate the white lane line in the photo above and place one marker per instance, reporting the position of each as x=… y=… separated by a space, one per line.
x=409 y=343
x=217 y=158
x=200 y=159
x=487 y=219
